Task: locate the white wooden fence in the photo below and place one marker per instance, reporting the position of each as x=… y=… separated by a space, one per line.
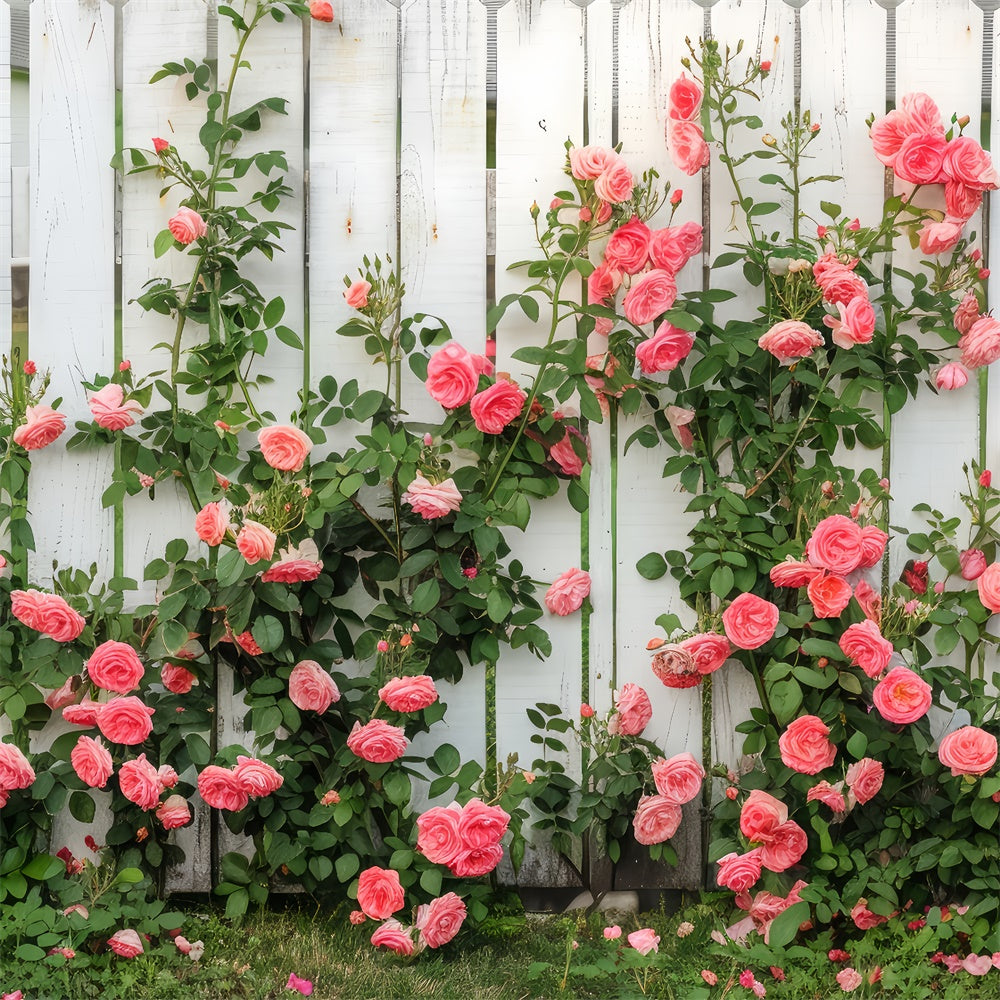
x=387 y=144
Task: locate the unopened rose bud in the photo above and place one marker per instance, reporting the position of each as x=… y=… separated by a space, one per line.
x=821 y=232
x=428 y=439
x=382 y=646
x=470 y=573
x=534 y=210
x=984 y=273
x=884 y=483
x=585 y=214
x=529 y=777
x=975 y=255
x=986 y=478
x=769 y=139
x=731 y=793
x=29 y=368
x=586 y=711
x=939 y=587
x=963 y=121
x=655 y=643
x=854 y=225
x=554 y=204
x=159 y=145
x=814 y=127
x=675 y=198
x=822 y=662
x=765 y=66
x=406 y=641
x=125 y=366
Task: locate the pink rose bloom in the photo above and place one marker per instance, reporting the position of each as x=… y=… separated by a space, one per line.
x=829 y=595
x=969 y=750
x=612 y=933
x=394 y=936
x=656 y=819
x=864 y=919
x=356 y=295
x=839 y=284
x=109 y=411
x=587 y=163
x=377 y=741
x=284 y=447
x=125 y=943
x=564 y=455
x=42 y=425
x=187 y=225
x=297 y=564
x=761 y=816
x=750 y=621
x=973 y=564
x=967 y=162
x=665 y=350
x=709 y=650
x=311 y=688
x=614 y=185
x=255 y=541
x=46 y=613
x=221 y=789
x=645 y=940
x=790 y=339
x=247 y=643
x=685 y=97
x=319 y=10
x=836 y=544
x=709 y=976
x=921 y=112
x=472 y=862
x=438 y=837
x=687 y=147
x=981 y=345
x=902 y=696
x=452 y=378
x=961 y=202
x=257 y=777
x=805 y=746
x=988 y=584
x=829 y=795
x=166 y=776
x=91 y=761
x=124 y=720
x=940 y=237
x=977 y=965
x=497 y=406
x=864 y=645
x=873 y=540
x=409 y=694
x=864 y=778
x=379 y=892
x=793 y=573
x=568 y=591
x=140 y=783
x=633 y=711
x=678 y=779
x=920 y=158
x=856 y=324
x=785 y=848
x=888 y=133
x=115 y=666
x=951 y=376
x=603 y=282
x=869 y=600
x=480 y=825
x=739 y=871
x=297 y=983
x=176 y=678
x=66 y=694
x=84 y=714
x=628 y=247
x=440 y=920
x=432 y=500
x=667 y=250
x=966 y=314
x=678 y=418
x=849 y=979
x=173 y=812
x=651 y=295
x=211 y=524
x=15 y=771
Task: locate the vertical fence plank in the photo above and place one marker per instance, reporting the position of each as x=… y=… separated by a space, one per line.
x=539 y=104
x=72 y=238
x=6 y=202
x=443 y=240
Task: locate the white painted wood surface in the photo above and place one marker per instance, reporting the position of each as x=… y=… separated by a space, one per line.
x=6 y=204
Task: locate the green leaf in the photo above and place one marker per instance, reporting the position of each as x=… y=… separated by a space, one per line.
x=347 y=866
x=43 y=866
x=430 y=881
x=722 y=582
x=447 y=759
x=29 y=953
x=652 y=566
x=128 y=876
x=268 y=633
x=425 y=597
x=81 y=807
x=785 y=925
x=163 y=242
x=273 y=311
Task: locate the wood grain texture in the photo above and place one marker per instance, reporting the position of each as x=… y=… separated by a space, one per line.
x=6 y=203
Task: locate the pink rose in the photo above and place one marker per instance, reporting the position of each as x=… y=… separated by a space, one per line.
x=805 y=746
x=920 y=158
x=15 y=771
x=966 y=314
x=393 y=935
x=140 y=783
x=633 y=711
x=568 y=592
x=159 y=145
x=296 y=564
x=91 y=761
x=785 y=848
x=480 y=825
x=124 y=720
x=356 y=295
x=452 y=378
x=940 y=237
x=173 y=812
x=678 y=779
x=922 y=112
x=684 y=99
x=211 y=524
x=297 y=983
x=284 y=447
x=829 y=795
x=438 y=837
x=651 y=295
x=377 y=741
x=829 y=595
x=790 y=339
x=988 y=584
x=440 y=920
x=888 y=133
x=187 y=225
x=115 y=666
x=840 y=284
x=612 y=933
x=836 y=544
x=675 y=667
x=864 y=919
x=750 y=621
x=409 y=694
x=564 y=455
x=981 y=345
x=902 y=696
x=221 y=789
x=496 y=406
x=471 y=862
x=709 y=650
x=587 y=163
x=869 y=600
x=856 y=324
x=645 y=940
x=167 y=776
x=793 y=573
x=110 y=411
x=951 y=376
x=687 y=147
x=968 y=750
x=849 y=979
x=257 y=777
x=432 y=500
x=961 y=202
x=665 y=350
x=126 y=943
x=176 y=678
x=761 y=816
x=967 y=162
x=864 y=779
x=66 y=694
x=46 y=613
x=614 y=185
x=739 y=871
x=379 y=892
x=973 y=564
x=320 y=10
x=603 y=282
x=709 y=976
x=42 y=425
x=977 y=965
x=255 y=541
x=628 y=247
x=84 y=714
x=678 y=418
x=873 y=541
x=311 y=688
x=864 y=645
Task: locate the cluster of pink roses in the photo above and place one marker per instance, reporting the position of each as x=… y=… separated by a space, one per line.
x=15 y=771
x=686 y=663
x=685 y=136
x=232 y=788
x=678 y=780
x=464 y=838
x=46 y=613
